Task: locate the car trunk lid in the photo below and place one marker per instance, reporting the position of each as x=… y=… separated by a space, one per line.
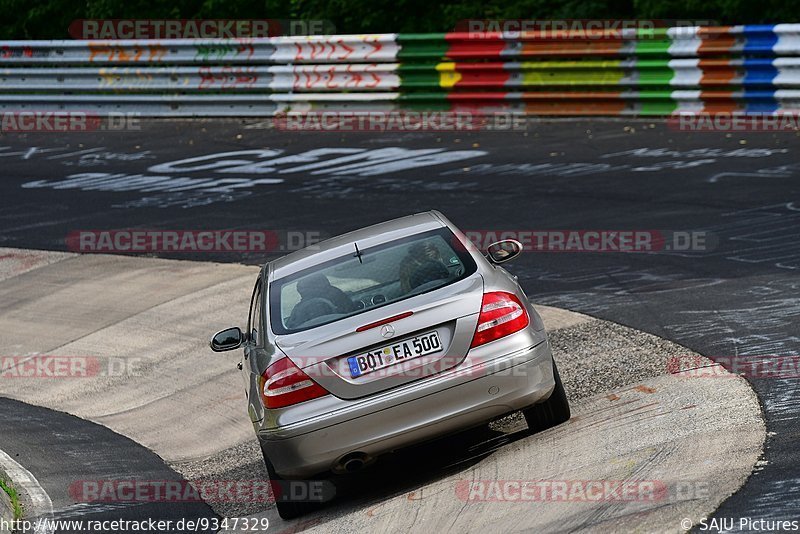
x=390 y=345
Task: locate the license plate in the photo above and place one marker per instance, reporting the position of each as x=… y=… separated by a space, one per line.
x=389 y=355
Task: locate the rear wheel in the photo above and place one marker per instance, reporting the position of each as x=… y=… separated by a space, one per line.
x=287 y=509
x=551 y=412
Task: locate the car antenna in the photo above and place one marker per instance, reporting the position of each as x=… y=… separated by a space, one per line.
x=358 y=254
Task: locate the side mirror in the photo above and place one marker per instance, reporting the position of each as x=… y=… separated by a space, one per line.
x=228 y=339
x=503 y=251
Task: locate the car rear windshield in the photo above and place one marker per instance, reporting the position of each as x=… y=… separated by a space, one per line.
x=383 y=274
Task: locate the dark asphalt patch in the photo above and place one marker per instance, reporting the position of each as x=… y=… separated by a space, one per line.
x=65 y=452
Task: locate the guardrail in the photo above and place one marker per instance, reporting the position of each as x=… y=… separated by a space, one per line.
x=625 y=72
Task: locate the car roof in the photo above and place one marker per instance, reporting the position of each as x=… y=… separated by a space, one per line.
x=365 y=238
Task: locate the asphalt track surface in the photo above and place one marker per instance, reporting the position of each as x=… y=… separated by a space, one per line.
x=737 y=298
x=113 y=457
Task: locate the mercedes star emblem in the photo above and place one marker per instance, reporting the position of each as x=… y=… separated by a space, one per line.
x=387 y=330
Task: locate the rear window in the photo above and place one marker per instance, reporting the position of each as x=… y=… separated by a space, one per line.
x=386 y=273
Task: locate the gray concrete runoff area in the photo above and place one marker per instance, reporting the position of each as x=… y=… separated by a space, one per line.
x=690 y=435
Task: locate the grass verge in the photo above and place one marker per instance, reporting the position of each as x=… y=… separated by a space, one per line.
x=14 y=496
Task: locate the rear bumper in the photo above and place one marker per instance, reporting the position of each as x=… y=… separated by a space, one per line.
x=426 y=409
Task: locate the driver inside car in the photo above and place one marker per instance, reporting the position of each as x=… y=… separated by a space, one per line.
x=317 y=298
x=422 y=264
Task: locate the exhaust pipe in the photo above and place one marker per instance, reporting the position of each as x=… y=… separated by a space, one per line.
x=352 y=462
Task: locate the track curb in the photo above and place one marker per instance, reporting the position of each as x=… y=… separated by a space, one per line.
x=34 y=500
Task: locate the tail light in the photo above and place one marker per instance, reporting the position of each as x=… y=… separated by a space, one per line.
x=285 y=384
x=501 y=314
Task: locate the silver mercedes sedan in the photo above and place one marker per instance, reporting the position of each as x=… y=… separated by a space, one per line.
x=386 y=337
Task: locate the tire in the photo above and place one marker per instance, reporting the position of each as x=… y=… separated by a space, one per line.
x=286 y=509
x=291 y=510
x=552 y=412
